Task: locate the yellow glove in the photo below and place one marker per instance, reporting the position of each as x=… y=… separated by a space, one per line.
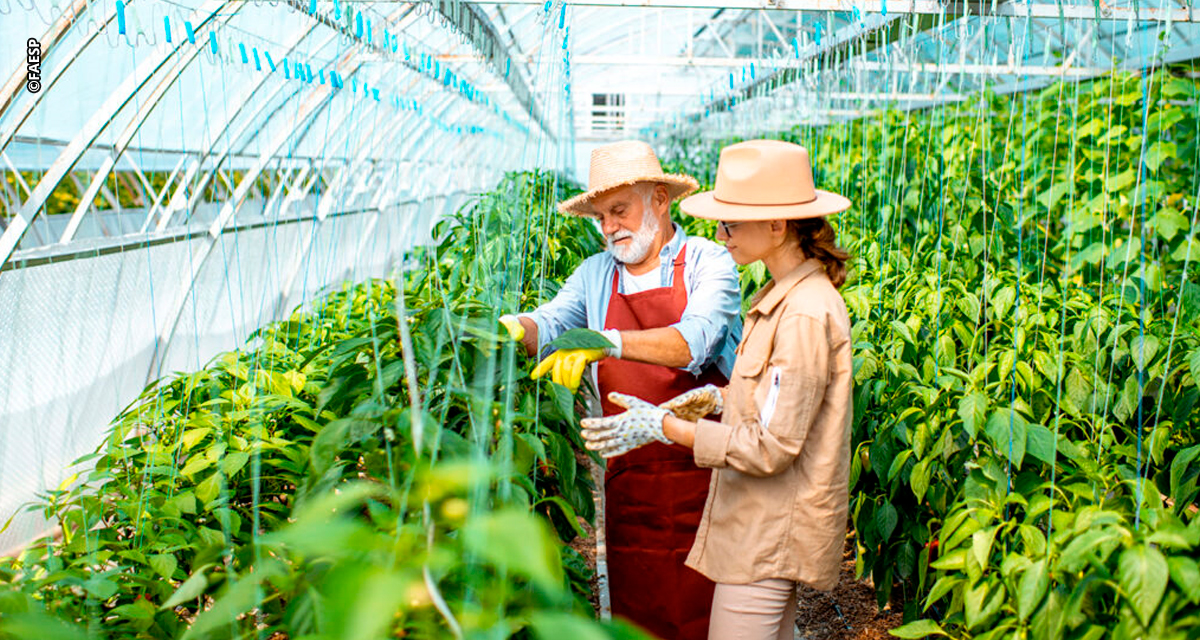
x=513 y=326
x=567 y=365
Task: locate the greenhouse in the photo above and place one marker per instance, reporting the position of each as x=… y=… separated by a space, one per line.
x=585 y=319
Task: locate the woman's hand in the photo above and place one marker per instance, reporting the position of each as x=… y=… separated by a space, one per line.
x=640 y=424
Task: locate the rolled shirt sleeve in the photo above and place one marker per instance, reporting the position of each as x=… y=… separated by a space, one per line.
x=714 y=305
x=800 y=353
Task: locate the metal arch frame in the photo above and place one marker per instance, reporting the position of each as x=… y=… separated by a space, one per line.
x=371 y=144
x=166 y=333
x=174 y=204
x=170 y=77
x=49 y=39
x=99 y=121
x=315 y=103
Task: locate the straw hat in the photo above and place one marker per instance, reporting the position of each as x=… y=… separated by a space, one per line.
x=624 y=163
x=764 y=180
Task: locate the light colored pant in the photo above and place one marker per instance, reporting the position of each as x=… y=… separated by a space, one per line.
x=763 y=610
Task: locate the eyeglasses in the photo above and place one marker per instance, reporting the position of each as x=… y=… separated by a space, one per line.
x=726 y=227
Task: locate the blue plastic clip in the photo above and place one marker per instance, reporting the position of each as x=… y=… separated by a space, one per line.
x=120 y=17
x=212 y=42
x=337 y=10
x=269 y=60
x=406 y=56
x=257 y=64
x=299 y=71
x=242 y=48
x=819 y=27
x=751 y=70
x=321 y=75
x=167 y=28
x=565 y=38
x=546 y=7
x=375 y=93
x=796 y=46
x=312 y=7
x=190 y=31
x=883 y=7
x=358 y=27
x=286 y=71
x=507 y=67
x=368 y=31
x=730 y=81
x=309 y=77
x=562 y=17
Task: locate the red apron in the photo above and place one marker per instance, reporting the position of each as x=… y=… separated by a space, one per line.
x=654 y=495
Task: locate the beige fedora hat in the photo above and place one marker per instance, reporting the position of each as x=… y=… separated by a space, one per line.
x=624 y=163
x=764 y=180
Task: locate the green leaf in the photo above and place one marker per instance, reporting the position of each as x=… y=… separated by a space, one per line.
x=164 y=564
x=885 y=520
x=1185 y=572
x=1127 y=402
x=552 y=625
x=208 y=490
x=191 y=589
x=1093 y=254
x=100 y=587
x=1003 y=301
x=1168 y=221
x=1032 y=589
x=141 y=609
x=1183 y=477
x=581 y=339
x=973 y=411
x=1158 y=153
x=518 y=542
x=1008 y=433
x=919 y=481
x=234 y=462
x=197 y=464
x=1142 y=573
x=1121 y=182
x=1194 y=364
x=192 y=436
x=1040 y=443
x=918 y=629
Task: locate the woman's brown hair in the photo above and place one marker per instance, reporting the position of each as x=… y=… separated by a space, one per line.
x=818 y=240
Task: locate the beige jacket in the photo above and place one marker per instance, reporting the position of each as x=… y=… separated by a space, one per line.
x=778 y=502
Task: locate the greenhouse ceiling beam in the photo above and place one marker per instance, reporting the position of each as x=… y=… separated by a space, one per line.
x=100 y=120
x=473 y=23
x=925 y=7
x=16 y=83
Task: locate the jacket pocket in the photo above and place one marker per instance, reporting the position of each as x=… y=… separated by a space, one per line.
x=755 y=350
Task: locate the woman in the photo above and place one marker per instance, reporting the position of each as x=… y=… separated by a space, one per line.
x=778 y=501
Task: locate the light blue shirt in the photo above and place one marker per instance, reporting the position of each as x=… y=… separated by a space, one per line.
x=711 y=324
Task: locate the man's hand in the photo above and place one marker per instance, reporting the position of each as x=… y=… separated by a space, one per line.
x=640 y=424
x=697 y=403
x=566 y=366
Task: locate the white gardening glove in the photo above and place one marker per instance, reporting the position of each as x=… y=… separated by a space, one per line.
x=697 y=403
x=640 y=424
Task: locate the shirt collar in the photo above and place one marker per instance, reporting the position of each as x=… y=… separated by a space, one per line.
x=770 y=296
x=671 y=249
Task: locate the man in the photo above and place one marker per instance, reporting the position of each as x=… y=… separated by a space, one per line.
x=670 y=306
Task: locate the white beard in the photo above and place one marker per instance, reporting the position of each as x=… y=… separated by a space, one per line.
x=640 y=242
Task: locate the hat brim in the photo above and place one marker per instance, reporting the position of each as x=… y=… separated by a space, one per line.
x=678 y=186
x=704 y=205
